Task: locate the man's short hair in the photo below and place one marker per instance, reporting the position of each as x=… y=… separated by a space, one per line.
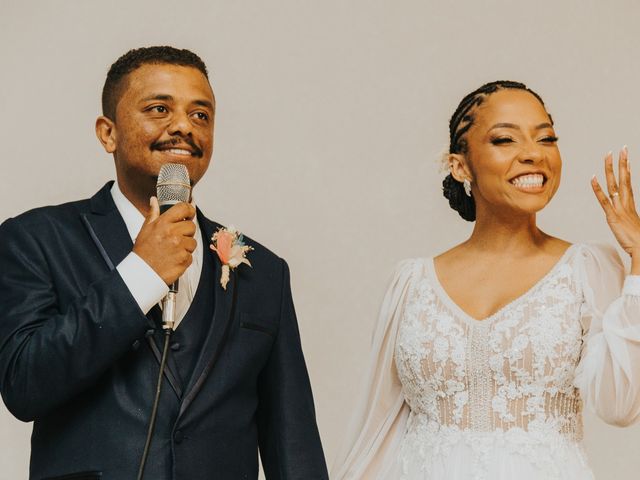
x=133 y=59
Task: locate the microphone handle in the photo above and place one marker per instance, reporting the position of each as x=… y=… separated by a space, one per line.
x=163 y=208
x=169 y=302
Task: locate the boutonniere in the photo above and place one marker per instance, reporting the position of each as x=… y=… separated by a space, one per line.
x=229 y=244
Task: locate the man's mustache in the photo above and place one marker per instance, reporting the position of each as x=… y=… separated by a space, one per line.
x=197 y=151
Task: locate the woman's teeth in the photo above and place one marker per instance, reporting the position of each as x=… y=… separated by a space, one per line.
x=529 y=181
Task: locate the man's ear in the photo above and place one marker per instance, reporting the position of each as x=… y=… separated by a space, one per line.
x=459 y=168
x=106 y=133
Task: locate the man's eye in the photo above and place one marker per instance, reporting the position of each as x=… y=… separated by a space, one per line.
x=501 y=140
x=202 y=116
x=158 y=109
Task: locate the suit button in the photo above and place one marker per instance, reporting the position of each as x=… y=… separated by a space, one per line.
x=136 y=345
x=178 y=436
x=175 y=346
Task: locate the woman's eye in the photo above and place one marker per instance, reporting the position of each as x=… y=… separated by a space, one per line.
x=501 y=140
x=549 y=139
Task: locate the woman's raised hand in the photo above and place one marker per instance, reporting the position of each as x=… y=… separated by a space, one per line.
x=619 y=206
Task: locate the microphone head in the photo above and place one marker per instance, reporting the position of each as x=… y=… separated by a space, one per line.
x=173 y=185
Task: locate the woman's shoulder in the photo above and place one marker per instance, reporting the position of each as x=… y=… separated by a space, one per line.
x=596 y=253
x=408 y=268
x=410 y=263
x=597 y=264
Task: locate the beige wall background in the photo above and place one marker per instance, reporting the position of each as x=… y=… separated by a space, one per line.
x=331 y=117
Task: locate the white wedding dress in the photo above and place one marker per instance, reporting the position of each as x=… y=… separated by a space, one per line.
x=449 y=397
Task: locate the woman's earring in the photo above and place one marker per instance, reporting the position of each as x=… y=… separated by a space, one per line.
x=467 y=186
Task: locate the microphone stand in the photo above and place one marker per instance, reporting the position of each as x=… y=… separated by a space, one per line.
x=168 y=320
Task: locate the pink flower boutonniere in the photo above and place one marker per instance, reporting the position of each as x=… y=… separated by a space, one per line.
x=229 y=244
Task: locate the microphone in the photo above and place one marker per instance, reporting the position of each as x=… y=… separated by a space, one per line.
x=173 y=187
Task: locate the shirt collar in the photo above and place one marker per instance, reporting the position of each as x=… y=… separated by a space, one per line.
x=132 y=217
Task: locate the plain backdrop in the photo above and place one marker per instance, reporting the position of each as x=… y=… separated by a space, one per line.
x=331 y=118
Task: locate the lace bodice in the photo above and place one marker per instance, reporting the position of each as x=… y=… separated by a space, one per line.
x=447 y=396
x=513 y=369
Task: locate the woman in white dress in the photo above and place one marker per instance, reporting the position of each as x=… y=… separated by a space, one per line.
x=485 y=356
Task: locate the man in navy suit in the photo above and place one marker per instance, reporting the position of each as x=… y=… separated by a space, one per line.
x=80 y=335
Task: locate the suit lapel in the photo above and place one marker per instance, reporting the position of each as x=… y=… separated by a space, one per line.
x=224 y=311
x=107 y=228
x=109 y=232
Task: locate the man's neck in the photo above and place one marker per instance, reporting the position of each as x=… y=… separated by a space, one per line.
x=138 y=197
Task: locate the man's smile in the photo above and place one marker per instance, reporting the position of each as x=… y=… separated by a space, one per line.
x=181 y=147
x=179 y=151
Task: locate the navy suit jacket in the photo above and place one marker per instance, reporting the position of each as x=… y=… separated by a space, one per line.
x=77 y=357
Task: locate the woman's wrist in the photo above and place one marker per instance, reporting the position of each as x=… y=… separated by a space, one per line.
x=635 y=261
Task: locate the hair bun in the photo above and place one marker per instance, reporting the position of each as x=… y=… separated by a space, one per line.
x=453 y=190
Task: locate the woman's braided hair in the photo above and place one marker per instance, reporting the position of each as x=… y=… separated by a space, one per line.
x=460 y=123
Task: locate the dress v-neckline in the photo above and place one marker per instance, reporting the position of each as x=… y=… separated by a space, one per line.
x=444 y=296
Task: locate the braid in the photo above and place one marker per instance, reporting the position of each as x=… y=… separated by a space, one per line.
x=460 y=123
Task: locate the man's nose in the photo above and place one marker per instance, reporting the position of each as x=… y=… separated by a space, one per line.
x=180 y=124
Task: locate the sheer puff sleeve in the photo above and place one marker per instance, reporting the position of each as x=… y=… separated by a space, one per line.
x=608 y=375
x=369 y=450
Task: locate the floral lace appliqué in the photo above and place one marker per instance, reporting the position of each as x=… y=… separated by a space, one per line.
x=505 y=382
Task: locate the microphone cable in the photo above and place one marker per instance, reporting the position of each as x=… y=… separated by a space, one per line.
x=156 y=402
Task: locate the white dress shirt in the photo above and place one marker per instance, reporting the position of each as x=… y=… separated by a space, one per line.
x=145 y=285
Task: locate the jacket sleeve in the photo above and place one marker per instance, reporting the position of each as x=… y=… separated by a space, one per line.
x=290 y=446
x=49 y=354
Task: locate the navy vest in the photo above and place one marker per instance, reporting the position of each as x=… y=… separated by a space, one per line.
x=187 y=340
